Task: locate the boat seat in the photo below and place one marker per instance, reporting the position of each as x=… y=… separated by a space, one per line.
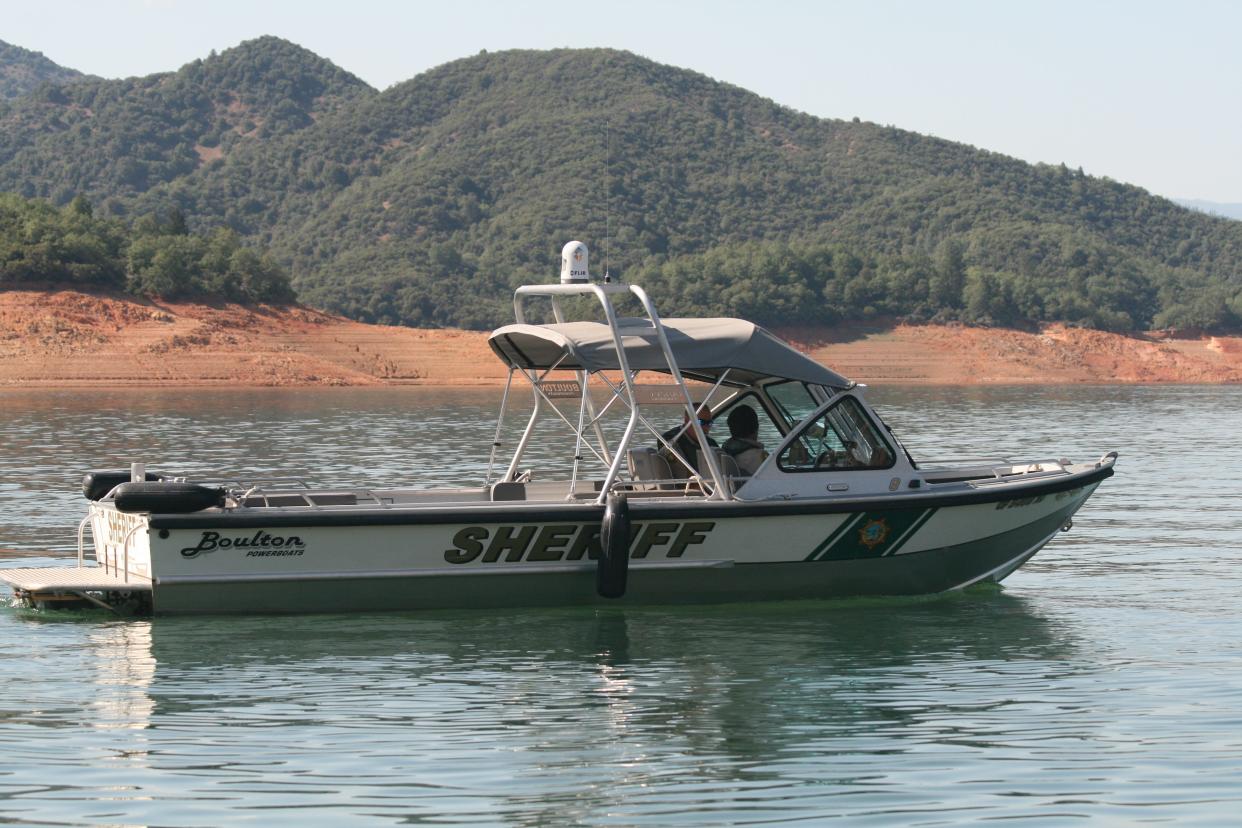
x=508 y=491
x=646 y=464
x=728 y=464
x=728 y=467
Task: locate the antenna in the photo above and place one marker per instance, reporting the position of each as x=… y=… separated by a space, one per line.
x=607 y=208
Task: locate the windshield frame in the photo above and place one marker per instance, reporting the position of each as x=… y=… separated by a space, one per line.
x=868 y=422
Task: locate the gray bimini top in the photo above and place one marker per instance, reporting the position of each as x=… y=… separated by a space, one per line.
x=704 y=349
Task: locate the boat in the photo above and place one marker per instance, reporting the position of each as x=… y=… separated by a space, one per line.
x=832 y=506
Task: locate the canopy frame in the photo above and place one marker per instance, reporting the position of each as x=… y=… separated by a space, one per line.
x=604 y=294
x=703 y=349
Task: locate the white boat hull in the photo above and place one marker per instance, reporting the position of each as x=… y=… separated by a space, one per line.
x=495 y=555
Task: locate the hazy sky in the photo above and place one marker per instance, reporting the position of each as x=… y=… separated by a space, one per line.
x=1143 y=92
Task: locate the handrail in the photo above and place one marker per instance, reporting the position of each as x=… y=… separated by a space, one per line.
x=954 y=463
x=125 y=550
x=237 y=483
x=82 y=539
x=241 y=498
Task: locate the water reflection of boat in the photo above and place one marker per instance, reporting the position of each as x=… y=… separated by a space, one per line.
x=730 y=678
x=837 y=508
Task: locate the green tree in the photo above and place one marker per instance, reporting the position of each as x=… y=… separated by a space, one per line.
x=948 y=279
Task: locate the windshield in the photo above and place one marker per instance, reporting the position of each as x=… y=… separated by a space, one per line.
x=843 y=437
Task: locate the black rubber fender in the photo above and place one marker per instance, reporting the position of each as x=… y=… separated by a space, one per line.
x=167 y=498
x=96 y=484
x=613 y=566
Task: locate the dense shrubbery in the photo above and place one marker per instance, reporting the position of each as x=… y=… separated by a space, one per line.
x=42 y=245
x=426 y=203
x=22 y=70
x=110 y=140
x=779 y=283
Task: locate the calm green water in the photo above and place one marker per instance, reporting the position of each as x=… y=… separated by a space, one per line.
x=1103 y=683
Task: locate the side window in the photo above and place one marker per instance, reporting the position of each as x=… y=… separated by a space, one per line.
x=843 y=437
x=792 y=400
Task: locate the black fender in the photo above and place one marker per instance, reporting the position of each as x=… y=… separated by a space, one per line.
x=164 y=497
x=96 y=484
x=613 y=566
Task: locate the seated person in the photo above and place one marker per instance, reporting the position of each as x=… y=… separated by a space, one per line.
x=743 y=444
x=688 y=443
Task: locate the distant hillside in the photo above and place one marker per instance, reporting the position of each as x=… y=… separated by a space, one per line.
x=426 y=203
x=21 y=70
x=114 y=139
x=1217 y=208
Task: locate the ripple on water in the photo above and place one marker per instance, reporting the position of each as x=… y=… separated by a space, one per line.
x=1103 y=683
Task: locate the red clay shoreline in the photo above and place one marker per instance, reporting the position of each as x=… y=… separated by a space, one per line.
x=67 y=339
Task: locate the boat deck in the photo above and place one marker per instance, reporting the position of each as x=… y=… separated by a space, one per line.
x=71 y=579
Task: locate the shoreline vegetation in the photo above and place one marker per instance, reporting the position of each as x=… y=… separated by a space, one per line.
x=161 y=230
x=426 y=203
x=154 y=257
x=68 y=338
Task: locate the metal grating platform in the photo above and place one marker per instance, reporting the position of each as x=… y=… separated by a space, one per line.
x=71 y=578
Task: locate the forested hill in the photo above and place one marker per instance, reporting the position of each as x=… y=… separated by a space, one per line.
x=21 y=70
x=425 y=203
x=115 y=139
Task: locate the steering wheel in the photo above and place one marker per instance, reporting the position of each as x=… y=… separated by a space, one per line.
x=826 y=460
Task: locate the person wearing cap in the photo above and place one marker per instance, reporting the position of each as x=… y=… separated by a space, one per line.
x=688 y=443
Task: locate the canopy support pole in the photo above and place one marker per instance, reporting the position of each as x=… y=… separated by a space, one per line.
x=535 y=379
x=530 y=429
x=659 y=436
x=721 y=487
x=540 y=395
x=582 y=410
x=504 y=403
x=595 y=418
x=584 y=379
x=601 y=292
x=627 y=377
x=706 y=397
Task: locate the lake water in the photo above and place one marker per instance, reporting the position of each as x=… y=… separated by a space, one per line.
x=1103 y=682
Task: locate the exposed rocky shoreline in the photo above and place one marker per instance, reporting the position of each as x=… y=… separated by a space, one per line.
x=64 y=338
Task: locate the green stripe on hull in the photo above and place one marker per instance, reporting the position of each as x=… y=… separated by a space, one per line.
x=827 y=543
x=873 y=534
x=911 y=532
